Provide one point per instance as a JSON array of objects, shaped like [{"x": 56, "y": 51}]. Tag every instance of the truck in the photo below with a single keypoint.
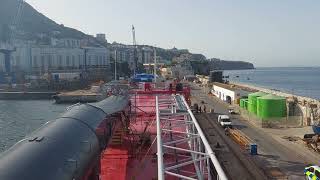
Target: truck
[{"x": 224, "y": 121}]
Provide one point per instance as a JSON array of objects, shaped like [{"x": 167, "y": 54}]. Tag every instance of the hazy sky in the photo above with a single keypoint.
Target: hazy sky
[{"x": 264, "y": 32}]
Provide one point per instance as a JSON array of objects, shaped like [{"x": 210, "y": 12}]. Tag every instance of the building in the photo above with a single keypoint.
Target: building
[
  {"x": 97, "y": 57},
  {"x": 166, "y": 72},
  {"x": 182, "y": 58},
  {"x": 60, "y": 55},
  {"x": 182, "y": 69},
  {"x": 228, "y": 93},
  {"x": 65, "y": 43},
  {"x": 48, "y": 59},
  {"x": 101, "y": 38},
  {"x": 147, "y": 55},
  {"x": 203, "y": 79},
  {"x": 125, "y": 53}
]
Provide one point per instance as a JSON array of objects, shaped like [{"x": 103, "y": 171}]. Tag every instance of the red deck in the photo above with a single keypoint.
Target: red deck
[{"x": 134, "y": 156}]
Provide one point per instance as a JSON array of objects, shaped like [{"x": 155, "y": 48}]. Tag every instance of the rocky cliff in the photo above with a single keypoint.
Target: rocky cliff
[{"x": 204, "y": 67}]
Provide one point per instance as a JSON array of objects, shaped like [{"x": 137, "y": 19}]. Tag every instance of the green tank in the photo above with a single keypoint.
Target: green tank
[
  {"x": 242, "y": 103},
  {"x": 271, "y": 106},
  {"x": 245, "y": 104},
  {"x": 252, "y": 101}
]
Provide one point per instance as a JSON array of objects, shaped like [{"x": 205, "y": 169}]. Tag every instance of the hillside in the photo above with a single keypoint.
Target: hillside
[
  {"x": 204, "y": 67},
  {"x": 32, "y": 23},
  {"x": 36, "y": 26}
]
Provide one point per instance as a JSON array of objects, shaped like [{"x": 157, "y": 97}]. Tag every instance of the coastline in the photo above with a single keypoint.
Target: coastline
[
  {"x": 297, "y": 81},
  {"x": 275, "y": 92}
]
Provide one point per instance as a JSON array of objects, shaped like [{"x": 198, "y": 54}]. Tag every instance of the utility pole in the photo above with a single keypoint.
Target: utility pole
[
  {"x": 115, "y": 64},
  {"x": 134, "y": 50},
  {"x": 155, "y": 65}
]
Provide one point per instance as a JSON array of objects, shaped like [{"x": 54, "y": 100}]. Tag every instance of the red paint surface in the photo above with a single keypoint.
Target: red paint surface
[
  {"x": 131, "y": 161},
  {"x": 114, "y": 163}
]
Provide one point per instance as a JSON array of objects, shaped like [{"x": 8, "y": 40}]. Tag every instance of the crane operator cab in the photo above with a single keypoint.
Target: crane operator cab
[{"x": 312, "y": 172}]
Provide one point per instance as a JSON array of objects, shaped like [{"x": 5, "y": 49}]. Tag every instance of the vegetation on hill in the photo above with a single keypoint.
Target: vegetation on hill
[{"x": 32, "y": 23}]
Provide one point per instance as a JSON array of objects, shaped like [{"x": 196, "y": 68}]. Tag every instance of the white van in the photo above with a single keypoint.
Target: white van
[{"x": 224, "y": 121}]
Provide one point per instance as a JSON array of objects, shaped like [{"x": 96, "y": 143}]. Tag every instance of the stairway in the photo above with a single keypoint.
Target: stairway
[{"x": 117, "y": 137}]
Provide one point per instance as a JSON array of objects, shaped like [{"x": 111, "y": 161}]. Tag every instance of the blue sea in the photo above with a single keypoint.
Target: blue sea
[{"x": 303, "y": 81}]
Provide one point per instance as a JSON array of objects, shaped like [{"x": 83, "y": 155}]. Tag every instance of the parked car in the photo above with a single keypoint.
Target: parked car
[
  {"x": 224, "y": 121},
  {"x": 232, "y": 111}
]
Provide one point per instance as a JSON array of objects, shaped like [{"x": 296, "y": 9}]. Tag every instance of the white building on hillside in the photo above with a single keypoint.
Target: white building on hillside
[
  {"x": 97, "y": 57},
  {"x": 64, "y": 54}
]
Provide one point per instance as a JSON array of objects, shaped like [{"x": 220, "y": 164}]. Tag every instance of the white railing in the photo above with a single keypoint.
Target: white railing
[{"x": 178, "y": 131}]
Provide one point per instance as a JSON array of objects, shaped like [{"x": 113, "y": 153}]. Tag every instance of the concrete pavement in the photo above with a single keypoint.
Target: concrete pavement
[{"x": 274, "y": 157}]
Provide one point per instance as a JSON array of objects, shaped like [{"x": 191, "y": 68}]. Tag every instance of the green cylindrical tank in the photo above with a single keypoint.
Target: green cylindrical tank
[
  {"x": 242, "y": 103},
  {"x": 271, "y": 106},
  {"x": 252, "y": 101},
  {"x": 245, "y": 104}
]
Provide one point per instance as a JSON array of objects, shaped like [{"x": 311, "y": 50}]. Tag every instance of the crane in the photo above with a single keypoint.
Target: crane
[
  {"x": 7, "y": 49},
  {"x": 135, "y": 58},
  {"x": 16, "y": 21}
]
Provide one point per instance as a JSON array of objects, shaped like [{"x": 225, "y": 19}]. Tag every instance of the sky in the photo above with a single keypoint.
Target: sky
[{"x": 268, "y": 33}]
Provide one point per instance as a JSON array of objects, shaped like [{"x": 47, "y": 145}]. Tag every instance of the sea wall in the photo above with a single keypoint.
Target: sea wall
[
  {"x": 310, "y": 108},
  {"x": 26, "y": 95}
]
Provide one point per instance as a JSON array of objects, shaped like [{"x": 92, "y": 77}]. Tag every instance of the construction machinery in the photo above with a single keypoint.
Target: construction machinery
[
  {"x": 7, "y": 48},
  {"x": 135, "y": 57}
]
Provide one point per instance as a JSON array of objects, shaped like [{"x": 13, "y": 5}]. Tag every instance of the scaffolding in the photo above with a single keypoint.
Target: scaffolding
[{"x": 182, "y": 148}]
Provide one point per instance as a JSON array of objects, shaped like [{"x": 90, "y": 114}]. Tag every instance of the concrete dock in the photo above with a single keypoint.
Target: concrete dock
[
  {"x": 26, "y": 95},
  {"x": 277, "y": 158},
  {"x": 83, "y": 96}
]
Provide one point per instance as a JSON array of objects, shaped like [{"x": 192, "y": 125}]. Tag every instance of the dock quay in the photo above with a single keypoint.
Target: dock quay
[
  {"x": 277, "y": 157},
  {"x": 20, "y": 95},
  {"x": 83, "y": 96}
]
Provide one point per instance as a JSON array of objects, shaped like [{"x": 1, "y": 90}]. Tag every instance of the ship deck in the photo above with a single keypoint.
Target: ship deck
[
  {"x": 133, "y": 151},
  {"x": 134, "y": 157}
]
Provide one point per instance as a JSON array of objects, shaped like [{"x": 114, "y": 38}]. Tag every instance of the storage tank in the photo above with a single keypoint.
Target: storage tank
[
  {"x": 271, "y": 106},
  {"x": 245, "y": 104},
  {"x": 242, "y": 103},
  {"x": 252, "y": 101}
]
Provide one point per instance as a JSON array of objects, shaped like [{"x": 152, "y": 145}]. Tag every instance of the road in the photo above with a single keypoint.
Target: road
[
  {"x": 232, "y": 158},
  {"x": 273, "y": 158}
]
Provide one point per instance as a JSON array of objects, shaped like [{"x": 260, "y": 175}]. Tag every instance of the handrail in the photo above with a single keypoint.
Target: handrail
[
  {"x": 214, "y": 160},
  {"x": 159, "y": 143}
]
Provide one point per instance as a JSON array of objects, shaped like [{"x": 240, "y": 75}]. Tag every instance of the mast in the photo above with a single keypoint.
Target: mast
[
  {"x": 155, "y": 65},
  {"x": 134, "y": 50},
  {"x": 115, "y": 64}
]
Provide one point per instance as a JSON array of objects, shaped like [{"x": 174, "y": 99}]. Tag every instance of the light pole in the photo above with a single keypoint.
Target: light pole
[
  {"x": 155, "y": 65},
  {"x": 115, "y": 64}
]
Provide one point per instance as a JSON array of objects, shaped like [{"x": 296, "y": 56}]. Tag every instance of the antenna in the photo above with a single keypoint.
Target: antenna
[{"x": 134, "y": 50}]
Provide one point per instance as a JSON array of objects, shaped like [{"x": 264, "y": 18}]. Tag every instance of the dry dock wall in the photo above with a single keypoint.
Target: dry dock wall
[{"x": 308, "y": 107}]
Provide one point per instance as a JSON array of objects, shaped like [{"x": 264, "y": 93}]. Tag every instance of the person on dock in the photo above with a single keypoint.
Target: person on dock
[{"x": 204, "y": 108}]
